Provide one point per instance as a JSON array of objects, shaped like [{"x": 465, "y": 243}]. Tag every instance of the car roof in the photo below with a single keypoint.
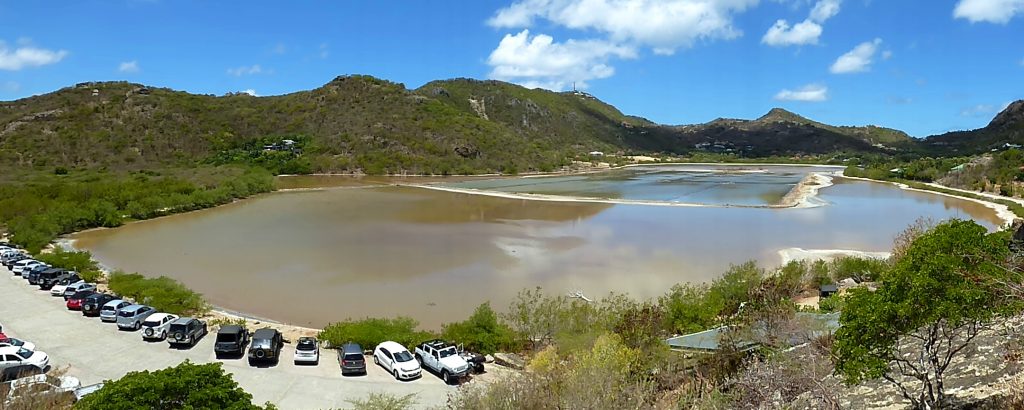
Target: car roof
[
  {"x": 229, "y": 329},
  {"x": 182, "y": 320},
  {"x": 132, "y": 307},
  {"x": 9, "y": 349},
  {"x": 115, "y": 302},
  {"x": 392, "y": 346},
  {"x": 264, "y": 333},
  {"x": 158, "y": 316}
]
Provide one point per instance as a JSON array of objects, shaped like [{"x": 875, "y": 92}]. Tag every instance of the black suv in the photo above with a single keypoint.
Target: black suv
[
  {"x": 266, "y": 346},
  {"x": 91, "y": 305},
  {"x": 186, "y": 331},
  {"x": 231, "y": 340},
  {"x": 50, "y": 276}
]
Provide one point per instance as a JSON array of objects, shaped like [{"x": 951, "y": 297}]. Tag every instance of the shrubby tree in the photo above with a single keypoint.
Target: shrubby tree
[
  {"x": 928, "y": 309},
  {"x": 185, "y": 386},
  {"x": 482, "y": 332}
]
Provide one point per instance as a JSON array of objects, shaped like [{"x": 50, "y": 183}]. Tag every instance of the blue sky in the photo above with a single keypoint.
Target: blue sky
[{"x": 923, "y": 66}]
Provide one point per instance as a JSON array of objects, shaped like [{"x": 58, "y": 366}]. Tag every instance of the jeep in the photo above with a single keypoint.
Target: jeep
[
  {"x": 231, "y": 340},
  {"x": 186, "y": 331},
  {"x": 266, "y": 346}
]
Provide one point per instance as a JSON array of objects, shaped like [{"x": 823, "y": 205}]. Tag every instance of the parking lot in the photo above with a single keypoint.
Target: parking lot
[{"x": 95, "y": 351}]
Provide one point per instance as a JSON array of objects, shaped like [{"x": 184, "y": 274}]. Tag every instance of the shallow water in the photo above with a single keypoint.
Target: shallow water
[
  {"x": 312, "y": 257},
  {"x": 746, "y": 185}
]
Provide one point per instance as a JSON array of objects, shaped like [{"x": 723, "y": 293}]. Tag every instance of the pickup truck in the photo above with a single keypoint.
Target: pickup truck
[{"x": 442, "y": 358}]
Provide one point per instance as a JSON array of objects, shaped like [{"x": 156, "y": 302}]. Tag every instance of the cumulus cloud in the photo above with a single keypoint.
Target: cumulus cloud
[
  {"x": 807, "y": 93},
  {"x": 129, "y": 67},
  {"x": 992, "y": 11},
  {"x": 662, "y": 25},
  {"x": 806, "y": 32},
  {"x": 245, "y": 70},
  {"x": 26, "y": 55},
  {"x": 251, "y": 92},
  {"x": 857, "y": 60},
  {"x": 539, "y": 61}
]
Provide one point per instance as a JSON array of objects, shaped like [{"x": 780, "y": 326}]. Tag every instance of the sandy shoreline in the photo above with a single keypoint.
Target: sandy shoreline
[{"x": 800, "y": 254}]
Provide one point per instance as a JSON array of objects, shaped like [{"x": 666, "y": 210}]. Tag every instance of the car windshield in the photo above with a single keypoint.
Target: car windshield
[
  {"x": 126, "y": 313},
  {"x": 150, "y": 323},
  {"x": 107, "y": 308},
  {"x": 14, "y": 342},
  {"x": 354, "y": 356},
  {"x": 178, "y": 328},
  {"x": 403, "y": 356},
  {"x": 306, "y": 345},
  {"x": 227, "y": 337},
  {"x": 25, "y": 353},
  {"x": 447, "y": 352}
]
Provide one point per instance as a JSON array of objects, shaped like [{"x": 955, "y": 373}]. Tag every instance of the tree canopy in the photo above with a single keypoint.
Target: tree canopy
[
  {"x": 185, "y": 386},
  {"x": 927, "y": 310}
]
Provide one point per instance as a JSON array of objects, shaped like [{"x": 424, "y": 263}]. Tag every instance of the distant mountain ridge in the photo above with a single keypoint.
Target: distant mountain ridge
[
  {"x": 361, "y": 123},
  {"x": 1006, "y": 128}
]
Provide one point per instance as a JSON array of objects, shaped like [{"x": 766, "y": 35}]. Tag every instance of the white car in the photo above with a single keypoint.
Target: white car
[
  {"x": 307, "y": 350},
  {"x": 155, "y": 326},
  {"x": 10, "y": 341},
  {"x": 17, "y": 356},
  {"x": 20, "y": 266},
  {"x": 397, "y": 360},
  {"x": 62, "y": 286}
]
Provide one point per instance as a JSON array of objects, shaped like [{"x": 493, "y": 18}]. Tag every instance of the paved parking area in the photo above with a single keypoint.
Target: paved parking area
[{"x": 95, "y": 351}]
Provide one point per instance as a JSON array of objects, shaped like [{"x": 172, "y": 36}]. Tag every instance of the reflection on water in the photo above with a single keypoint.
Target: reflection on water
[{"x": 384, "y": 251}]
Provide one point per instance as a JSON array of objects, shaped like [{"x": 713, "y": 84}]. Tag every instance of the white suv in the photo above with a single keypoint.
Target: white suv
[
  {"x": 17, "y": 356},
  {"x": 155, "y": 326}
]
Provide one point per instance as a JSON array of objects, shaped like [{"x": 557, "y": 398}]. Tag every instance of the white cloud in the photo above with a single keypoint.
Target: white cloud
[
  {"x": 887, "y": 54},
  {"x": 857, "y": 60},
  {"x": 807, "y": 93},
  {"x": 27, "y": 55},
  {"x": 662, "y": 25},
  {"x": 245, "y": 70},
  {"x": 824, "y": 10},
  {"x": 539, "y": 61},
  {"x": 806, "y": 32},
  {"x": 992, "y": 11},
  {"x": 251, "y": 92},
  {"x": 781, "y": 34},
  {"x": 129, "y": 67}
]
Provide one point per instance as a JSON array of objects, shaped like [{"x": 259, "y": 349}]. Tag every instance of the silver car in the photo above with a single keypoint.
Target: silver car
[
  {"x": 131, "y": 317},
  {"x": 108, "y": 313}
]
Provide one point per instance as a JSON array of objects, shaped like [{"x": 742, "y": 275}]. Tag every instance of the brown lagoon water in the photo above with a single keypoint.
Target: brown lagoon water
[{"x": 360, "y": 249}]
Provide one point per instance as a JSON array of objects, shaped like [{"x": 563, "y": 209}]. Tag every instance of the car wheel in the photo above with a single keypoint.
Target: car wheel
[
  {"x": 138, "y": 325},
  {"x": 163, "y": 335},
  {"x": 446, "y": 377},
  {"x": 396, "y": 375},
  {"x": 376, "y": 361}
]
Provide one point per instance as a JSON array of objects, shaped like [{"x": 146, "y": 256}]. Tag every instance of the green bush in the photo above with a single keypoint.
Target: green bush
[
  {"x": 163, "y": 293},
  {"x": 78, "y": 261},
  {"x": 482, "y": 332},
  {"x": 185, "y": 386},
  {"x": 384, "y": 401},
  {"x": 370, "y": 332}
]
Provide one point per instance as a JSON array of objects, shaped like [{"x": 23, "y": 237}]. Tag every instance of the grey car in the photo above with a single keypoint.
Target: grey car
[
  {"x": 131, "y": 317},
  {"x": 186, "y": 331},
  {"x": 351, "y": 359}
]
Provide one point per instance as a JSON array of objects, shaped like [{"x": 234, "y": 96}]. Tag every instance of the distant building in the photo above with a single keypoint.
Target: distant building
[{"x": 708, "y": 341}]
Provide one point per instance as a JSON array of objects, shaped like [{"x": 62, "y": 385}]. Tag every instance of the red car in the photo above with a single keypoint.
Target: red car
[{"x": 75, "y": 301}]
